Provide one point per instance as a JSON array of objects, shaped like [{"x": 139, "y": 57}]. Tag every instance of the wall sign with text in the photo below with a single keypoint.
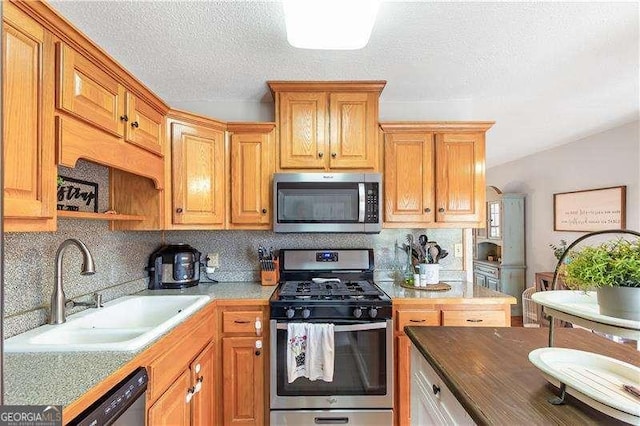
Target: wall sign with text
[
  {"x": 77, "y": 195},
  {"x": 590, "y": 210}
]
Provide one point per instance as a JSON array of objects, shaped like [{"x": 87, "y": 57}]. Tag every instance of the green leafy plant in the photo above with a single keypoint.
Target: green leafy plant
[
  {"x": 613, "y": 264},
  {"x": 558, "y": 250}
]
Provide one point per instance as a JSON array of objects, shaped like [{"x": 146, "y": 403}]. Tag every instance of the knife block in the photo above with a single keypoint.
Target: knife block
[{"x": 270, "y": 277}]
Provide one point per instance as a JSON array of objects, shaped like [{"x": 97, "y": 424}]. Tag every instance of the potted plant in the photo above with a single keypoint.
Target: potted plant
[{"x": 613, "y": 270}]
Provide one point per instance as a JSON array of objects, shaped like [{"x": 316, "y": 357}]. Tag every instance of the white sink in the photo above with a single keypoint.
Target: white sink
[{"x": 125, "y": 324}]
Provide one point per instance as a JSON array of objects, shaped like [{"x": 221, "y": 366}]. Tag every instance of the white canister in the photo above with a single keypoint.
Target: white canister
[{"x": 429, "y": 273}]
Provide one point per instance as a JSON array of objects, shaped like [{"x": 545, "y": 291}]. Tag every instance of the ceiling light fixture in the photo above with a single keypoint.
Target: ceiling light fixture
[{"x": 329, "y": 24}]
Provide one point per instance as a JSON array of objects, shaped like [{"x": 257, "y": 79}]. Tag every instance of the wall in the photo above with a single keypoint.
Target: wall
[
  {"x": 121, "y": 257},
  {"x": 605, "y": 159}
]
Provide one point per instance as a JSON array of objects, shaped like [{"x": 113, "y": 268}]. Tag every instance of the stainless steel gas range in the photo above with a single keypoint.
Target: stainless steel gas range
[{"x": 336, "y": 287}]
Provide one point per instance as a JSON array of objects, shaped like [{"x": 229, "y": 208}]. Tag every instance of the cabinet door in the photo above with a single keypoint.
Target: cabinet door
[
  {"x": 198, "y": 175},
  {"x": 353, "y": 126},
  {"x": 303, "y": 130},
  {"x": 460, "y": 177},
  {"x": 143, "y": 125},
  {"x": 408, "y": 173},
  {"x": 172, "y": 408},
  {"x": 202, "y": 378},
  {"x": 251, "y": 169},
  {"x": 243, "y": 381},
  {"x": 27, "y": 131},
  {"x": 87, "y": 92},
  {"x": 403, "y": 380},
  {"x": 479, "y": 279},
  {"x": 493, "y": 284}
]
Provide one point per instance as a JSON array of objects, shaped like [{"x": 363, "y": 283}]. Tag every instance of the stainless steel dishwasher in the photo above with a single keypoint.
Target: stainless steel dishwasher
[{"x": 123, "y": 405}]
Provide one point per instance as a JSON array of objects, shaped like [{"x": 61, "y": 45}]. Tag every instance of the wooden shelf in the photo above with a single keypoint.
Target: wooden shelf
[{"x": 98, "y": 216}]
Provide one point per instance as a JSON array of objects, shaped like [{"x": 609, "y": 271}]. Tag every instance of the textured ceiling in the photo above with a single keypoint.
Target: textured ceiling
[{"x": 547, "y": 73}]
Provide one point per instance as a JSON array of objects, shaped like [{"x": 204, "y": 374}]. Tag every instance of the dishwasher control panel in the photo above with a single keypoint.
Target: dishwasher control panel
[{"x": 113, "y": 404}]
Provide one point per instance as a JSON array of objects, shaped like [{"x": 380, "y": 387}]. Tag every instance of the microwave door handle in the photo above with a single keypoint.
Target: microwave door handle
[
  {"x": 342, "y": 328},
  {"x": 361, "y": 202}
]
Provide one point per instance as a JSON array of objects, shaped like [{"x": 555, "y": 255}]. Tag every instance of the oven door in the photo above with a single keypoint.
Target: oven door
[{"x": 363, "y": 369}]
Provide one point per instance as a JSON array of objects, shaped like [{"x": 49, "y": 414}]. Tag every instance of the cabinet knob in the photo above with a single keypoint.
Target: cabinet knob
[
  {"x": 320, "y": 154},
  {"x": 334, "y": 155},
  {"x": 135, "y": 125},
  {"x": 427, "y": 210},
  {"x": 124, "y": 118},
  {"x": 436, "y": 389},
  {"x": 264, "y": 211},
  {"x": 179, "y": 210},
  {"x": 441, "y": 209}
]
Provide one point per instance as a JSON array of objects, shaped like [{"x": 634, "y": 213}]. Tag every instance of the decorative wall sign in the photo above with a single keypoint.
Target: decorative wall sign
[
  {"x": 77, "y": 195},
  {"x": 590, "y": 210}
]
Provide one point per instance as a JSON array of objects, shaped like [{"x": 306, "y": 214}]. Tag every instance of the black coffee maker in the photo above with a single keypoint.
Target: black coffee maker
[{"x": 174, "y": 266}]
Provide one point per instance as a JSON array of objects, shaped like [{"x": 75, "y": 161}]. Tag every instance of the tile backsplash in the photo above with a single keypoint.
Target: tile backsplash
[{"x": 120, "y": 257}]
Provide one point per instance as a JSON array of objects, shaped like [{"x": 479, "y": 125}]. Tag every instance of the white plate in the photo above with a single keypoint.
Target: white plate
[
  {"x": 594, "y": 379},
  {"x": 581, "y": 304}
]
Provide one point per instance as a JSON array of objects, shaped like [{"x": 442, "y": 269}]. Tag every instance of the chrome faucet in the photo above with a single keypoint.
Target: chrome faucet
[{"x": 58, "y": 298}]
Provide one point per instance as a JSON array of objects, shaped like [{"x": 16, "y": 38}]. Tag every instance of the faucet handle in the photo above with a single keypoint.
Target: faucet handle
[{"x": 97, "y": 299}]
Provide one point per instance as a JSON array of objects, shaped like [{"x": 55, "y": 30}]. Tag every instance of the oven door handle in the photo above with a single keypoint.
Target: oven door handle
[
  {"x": 361, "y": 202},
  {"x": 342, "y": 328}
]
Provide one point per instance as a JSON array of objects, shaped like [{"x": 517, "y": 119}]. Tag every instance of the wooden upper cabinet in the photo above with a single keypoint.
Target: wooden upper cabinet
[
  {"x": 354, "y": 126},
  {"x": 434, "y": 173},
  {"x": 27, "y": 113},
  {"x": 408, "y": 177},
  {"x": 252, "y": 164},
  {"x": 303, "y": 130},
  {"x": 89, "y": 93},
  {"x": 143, "y": 125},
  {"x": 198, "y": 173},
  {"x": 327, "y": 125},
  {"x": 460, "y": 161}
]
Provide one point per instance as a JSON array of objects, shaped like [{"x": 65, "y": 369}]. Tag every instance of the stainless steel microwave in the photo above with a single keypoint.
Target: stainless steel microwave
[{"x": 327, "y": 202}]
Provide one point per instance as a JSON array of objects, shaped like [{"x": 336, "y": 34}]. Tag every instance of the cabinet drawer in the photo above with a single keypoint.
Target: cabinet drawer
[
  {"x": 241, "y": 321},
  {"x": 420, "y": 317},
  {"x": 487, "y": 270},
  {"x": 474, "y": 318}
]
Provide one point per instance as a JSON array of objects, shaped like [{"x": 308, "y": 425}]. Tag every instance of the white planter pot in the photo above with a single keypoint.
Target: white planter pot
[{"x": 620, "y": 302}]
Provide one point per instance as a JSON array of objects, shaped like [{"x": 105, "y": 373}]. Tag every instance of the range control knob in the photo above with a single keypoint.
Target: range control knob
[
  {"x": 290, "y": 313},
  {"x": 306, "y": 313},
  {"x": 357, "y": 312},
  {"x": 373, "y": 312}
]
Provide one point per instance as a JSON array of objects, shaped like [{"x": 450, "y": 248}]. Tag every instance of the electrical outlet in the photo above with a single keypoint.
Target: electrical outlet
[
  {"x": 213, "y": 260},
  {"x": 457, "y": 250}
]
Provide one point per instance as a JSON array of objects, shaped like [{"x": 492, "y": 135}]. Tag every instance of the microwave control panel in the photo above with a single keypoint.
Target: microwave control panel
[{"x": 372, "y": 202}]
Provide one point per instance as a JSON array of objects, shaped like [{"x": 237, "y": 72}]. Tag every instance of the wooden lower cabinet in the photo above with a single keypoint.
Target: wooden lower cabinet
[
  {"x": 243, "y": 381},
  {"x": 421, "y": 315},
  {"x": 172, "y": 408},
  {"x": 202, "y": 379}
]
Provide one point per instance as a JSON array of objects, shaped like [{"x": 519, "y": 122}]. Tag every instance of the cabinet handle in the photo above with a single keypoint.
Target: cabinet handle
[
  {"x": 334, "y": 155},
  {"x": 413, "y": 320},
  {"x": 474, "y": 320},
  {"x": 189, "y": 396},
  {"x": 441, "y": 209},
  {"x": 179, "y": 210},
  {"x": 135, "y": 124},
  {"x": 427, "y": 210},
  {"x": 124, "y": 118},
  {"x": 320, "y": 154},
  {"x": 436, "y": 389},
  {"x": 264, "y": 211},
  {"x": 241, "y": 322}
]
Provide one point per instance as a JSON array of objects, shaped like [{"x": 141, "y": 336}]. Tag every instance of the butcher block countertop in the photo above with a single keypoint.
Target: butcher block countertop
[{"x": 489, "y": 372}]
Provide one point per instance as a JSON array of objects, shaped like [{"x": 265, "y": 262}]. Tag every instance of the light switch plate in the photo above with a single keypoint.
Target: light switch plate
[
  {"x": 213, "y": 260},
  {"x": 457, "y": 250}
]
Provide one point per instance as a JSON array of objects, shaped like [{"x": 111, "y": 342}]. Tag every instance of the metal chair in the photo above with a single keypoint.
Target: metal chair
[{"x": 529, "y": 309}]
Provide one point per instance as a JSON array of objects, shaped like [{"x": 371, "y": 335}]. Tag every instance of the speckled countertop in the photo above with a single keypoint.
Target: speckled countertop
[
  {"x": 461, "y": 291},
  {"x": 59, "y": 378}
]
